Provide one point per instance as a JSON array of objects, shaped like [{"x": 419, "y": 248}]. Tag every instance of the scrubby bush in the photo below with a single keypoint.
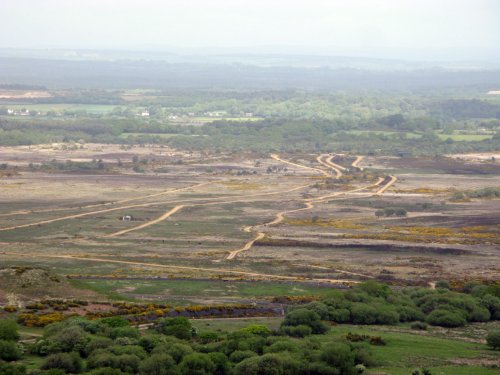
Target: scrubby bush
[
  {"x": 340, "y": 356},
  {"x": 12, "y": 369},
  {"x": 446, "y": 318},
  {"x": 419, "y": 325},
  {"x": 443, "y": 284},
  {"x": 493, "y": 339},
  {"x": 179, "y": 327},
  {"x": 9, "y": 351},
  {"x": 297, "y": 331},
  {"x": 240, "y": 355},
  {"x": 268, "y": 364},
  {"x": 177, "y": 351},
  {"x": 68, "y": 362},
  {"x": 305, "y": 317},
  {"x": 257, "y": 329},
  {"x": 8, "y": 330},
  {"x": 197, "y": 364},
  {"x": 159, "y": 364}
]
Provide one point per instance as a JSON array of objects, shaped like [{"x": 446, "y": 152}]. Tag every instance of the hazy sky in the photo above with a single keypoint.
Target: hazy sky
[{"x": 392, "y": 28}]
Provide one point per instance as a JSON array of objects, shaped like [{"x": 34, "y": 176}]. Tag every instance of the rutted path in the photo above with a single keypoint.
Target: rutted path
[
  {"x": 391, "y": 182},
  {"x": 280, "y": 216},
  {"x": 356, "y": 162},
  {"x": 324, "y": 173},
  {"x": 338, "y": 172},
  {"x": 330, "y": 162},
  {"x": 147, "y": 224}
]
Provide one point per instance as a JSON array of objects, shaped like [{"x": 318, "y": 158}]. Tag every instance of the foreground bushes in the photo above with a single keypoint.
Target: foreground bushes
[{"x": 374, "y": 303}]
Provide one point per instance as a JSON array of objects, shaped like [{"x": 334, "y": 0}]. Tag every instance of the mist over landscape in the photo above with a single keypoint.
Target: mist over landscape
[{"x": 249, "y": 187}]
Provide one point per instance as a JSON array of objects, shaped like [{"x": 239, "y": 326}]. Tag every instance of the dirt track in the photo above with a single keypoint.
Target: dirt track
[
  {"x": 356, "y": 162},
  {"x": 152, "y": 222},
  {"x": 338, "y": 172},
  {"x": 324, "y": 173},
  {"x": 280, "y": 216},
  {"x": 387, "y": 185},
  {"x": 330, "y": 162}
]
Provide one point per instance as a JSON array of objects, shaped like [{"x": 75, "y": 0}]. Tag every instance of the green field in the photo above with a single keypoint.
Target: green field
[{"x": 172, "y": 291}]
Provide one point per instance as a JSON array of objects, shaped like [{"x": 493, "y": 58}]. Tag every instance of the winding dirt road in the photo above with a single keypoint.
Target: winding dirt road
[
  {"x": 338, "y": 172},
  {"x": 324, "y": 173},
  {"x": 330, "y": 162},
  {"x": 384, "y": 188},
  {"x": 280, "y": 216},
  {"x": 356, "y": 162}
]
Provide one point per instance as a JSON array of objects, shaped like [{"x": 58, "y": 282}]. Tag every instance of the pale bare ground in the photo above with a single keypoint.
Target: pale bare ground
[
  {"x": 478, "y": 156},
  {"x": 356, "y": 162},
  {"x": 338, "y": 172},
  {"x": 18, "y": 94},
  {"x": 165, "y": 216},
  {"x": 203, "y": 269},
  {"x": 54, "y": 209},
  {"x": 23, "y": 155},
  {"x": 216, "y": 201}
]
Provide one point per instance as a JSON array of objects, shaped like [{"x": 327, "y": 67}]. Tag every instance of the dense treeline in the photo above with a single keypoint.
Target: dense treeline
[
  {"x": 112, "y": 346},
  {"x": 373, "y": 303},
  {"x": 160, "y": 75}
]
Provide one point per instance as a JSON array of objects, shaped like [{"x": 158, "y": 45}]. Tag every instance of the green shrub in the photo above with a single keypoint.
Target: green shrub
[
  {"x": 297, "y": 331},
  {"x": 340, "y": 356},
  {"x": 493, "y": 339},
  {"x": 269, "y": 364},
  {"x": 177, "y": 351},
  {"x": 197, "y": 364},
  {"x": 479, "y": 314},
  {"x": 8, "y": 330},
  {"x": 179, "y": 327},
  {"x": 419, "y": 325},
  {"x": 159, "y": 364},
  {"x": 306, "y": 317},
  {"x": 443, "y": 284},
  {"x": 9, "y": 351},
  {"x": 257, "y": 329},
  {"x": 68, "y": 362},
  {"x": 240, "y": 355},
  {"x": 12, "y": 369},
  {"x": 446, "y": 318}
]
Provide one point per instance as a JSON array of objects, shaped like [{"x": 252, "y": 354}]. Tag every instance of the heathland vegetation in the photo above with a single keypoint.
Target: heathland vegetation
[{"x": 306, "y": 342}]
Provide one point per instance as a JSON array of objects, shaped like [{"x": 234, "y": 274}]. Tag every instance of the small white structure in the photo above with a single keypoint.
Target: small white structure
[
  {"x": 127, "y": 218},
  {"x": 145, "y": 113}
]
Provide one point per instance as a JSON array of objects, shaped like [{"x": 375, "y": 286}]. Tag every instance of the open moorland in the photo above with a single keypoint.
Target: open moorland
[{"x": 152, "y": 223}]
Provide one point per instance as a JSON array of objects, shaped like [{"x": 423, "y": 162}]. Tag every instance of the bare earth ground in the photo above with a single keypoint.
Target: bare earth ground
[{"x": 301, "y": 218}]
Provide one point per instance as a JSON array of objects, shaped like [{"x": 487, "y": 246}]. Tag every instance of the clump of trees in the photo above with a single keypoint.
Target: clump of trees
[
  {"x": 391, "y": 211},
  {"x": 375, "y": 303},
  {"x": 110, "y": 346}
]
